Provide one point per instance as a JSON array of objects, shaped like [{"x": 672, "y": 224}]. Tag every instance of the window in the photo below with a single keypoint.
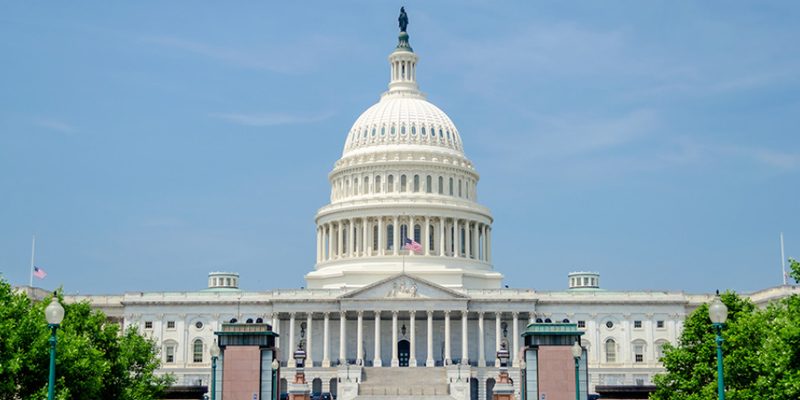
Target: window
[
  {"x": 423, "y": 131},
  {"x": 611, "y": 351},
  {"x": 609, "y": 324},
  {"x": 417, "y": 234},
  {"x": 416, "y": 183},
  {"x": 637, "y": 324},
  {"x": 660, "y": 324},
  {"x": 148, "y": 324},
  {"x": 430, "y": 237},
  {"x": 169, "y": 354},
  {"x": 660, "y": 350},
  {"x": 389, "y": 236},
  {"x": 441, "y": 185},
  {"x": 375, "y": 238},
  {"x": 402, "y": 183},
  {"x": 378, "y": 184},
  {"x": 403, "y": 232},
  {"x": 451, "y": 186},
  {"x": 198, "y": 325},
  {"x": 170, "y": 324},
  {"x": 365, "y": 186},
  {"x": 428, "y": 183},
  {"x": 638, "y": 352},
  {"x": 581, "y": 324},
  {"x": 197, "y": 351},
  {"x": 413, "y": 130},
  {"x": 390, "y": 183}
]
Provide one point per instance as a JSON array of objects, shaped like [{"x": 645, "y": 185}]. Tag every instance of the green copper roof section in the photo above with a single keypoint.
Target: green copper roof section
[
  {"x": 552, "y": 329},
  {"x": 402, "y": 42}
]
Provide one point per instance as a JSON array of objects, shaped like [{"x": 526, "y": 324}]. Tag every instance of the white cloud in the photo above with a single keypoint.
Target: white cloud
[{"x": 271, "y": 119}]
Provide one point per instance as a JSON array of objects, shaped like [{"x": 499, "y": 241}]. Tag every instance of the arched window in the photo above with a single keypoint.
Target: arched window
[
  {"x": 402, "y": 183},
  {"x": 441, "y": 185},
  {"x": 459, "y": 188},
  {"x": 428, "y": 182},
  {"x": 197, "y": 351},
  {"x": 638, "y": 351},
  {"x": 416, "y": 183},
  {"x": 451, "y": 186},
  {"x": 355, "y": 186},
  {"x": 403, "y": 232},
  {"x": 660, "y": 349},
  {"x": 365, "y": 186},
  {"x": 611, "y": 351},
  {"x": 467, "y": 190},
  {"x": 375, "y": 238},
  {"x": 169, "y": 351},
  {"x": 377, "y": 184},
  {"x": 423, "y": 131},
  {"x": 389, "y": 237},
  {"x": 430, "y": 237},
  {"x": 417, "y": 234},
  {"x": 390, "y": 183}
]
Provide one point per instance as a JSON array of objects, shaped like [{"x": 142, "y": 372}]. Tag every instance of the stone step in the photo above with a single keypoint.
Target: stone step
[
  {"x": 404, "y": 382},
  {"x": 401, "y": 397}
]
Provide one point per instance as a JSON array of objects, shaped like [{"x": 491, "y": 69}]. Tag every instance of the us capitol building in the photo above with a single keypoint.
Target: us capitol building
[{"x": 372, "y": 305}]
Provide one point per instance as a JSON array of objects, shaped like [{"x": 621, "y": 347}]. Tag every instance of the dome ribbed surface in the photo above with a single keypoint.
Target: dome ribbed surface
[{"x": 403, "y": 120}]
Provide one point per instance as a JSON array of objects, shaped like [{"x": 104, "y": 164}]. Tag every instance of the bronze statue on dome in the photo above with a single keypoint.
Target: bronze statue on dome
[{"x": 403, "y": 19}]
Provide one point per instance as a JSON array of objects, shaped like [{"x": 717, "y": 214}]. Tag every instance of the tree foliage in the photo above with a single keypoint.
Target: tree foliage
[
  {"x": 794, "y": 270},
  {"x": 761, "y": 354},
  {"x": 94, "y": 359}
]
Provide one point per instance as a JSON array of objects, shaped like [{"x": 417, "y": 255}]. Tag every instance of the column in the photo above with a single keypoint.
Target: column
[
  {"x": 427, "y": 239},
  {"x": 488, "y": 244},
  {"x": 429, "y": 361},
  {"x": 409, "y": 233},
  {"x": 515, "y": 333},
  {"x": 498, "y": 336},
  {"x": 464, "y": 350},
  {"x": 481, "y": 342},
  {"x": 412, "y": 362},
  {"x": 441, "y": 236},
  {"x": 276, "y": 327},
  {"x": 395, "y": 361},
  {"x": 475, "y": 241},
  {"x": 290, "y": 361},
  {"x": 467, "y": 239},
  {"x": 339, "y": 234},
  {"x": 309, "y": 335},
  {"x": 342, "y": 337},
  {"x": 326, "y": 340},
  {"x": 483, "y": 245},
  {"x": 380, "y": 236},
  {"x": 351, "y": 235},
  {"x": 447, "y": 357},
  {"x": 456, "y": 238},
  {"x": 318, "y": 241},
  {"x": 360, "y": 339},
  {"x": 396, "y": 236},
  {"x": 330, "y": 241},
  {"x": 365, "y": 242},
  {"x": 376, "y": 362}
]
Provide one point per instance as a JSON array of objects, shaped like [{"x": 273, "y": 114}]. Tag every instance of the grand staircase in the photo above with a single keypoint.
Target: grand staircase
[{"x": 404, "y": 383}]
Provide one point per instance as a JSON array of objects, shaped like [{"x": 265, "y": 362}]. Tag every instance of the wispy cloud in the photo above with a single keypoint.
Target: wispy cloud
[
  {"x": 55, "y": 125},
  {"x": 271, "y": 119}
]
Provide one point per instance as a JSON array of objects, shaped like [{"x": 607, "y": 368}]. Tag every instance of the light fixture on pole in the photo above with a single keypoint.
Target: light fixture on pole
[
  {"x": 214, "y": 350},
  {"x": 275, "y": 367},
  {"x": 54, "y": 313},
  {"x": 718, "y": 313},
  {"x": 577, "y": 351}
]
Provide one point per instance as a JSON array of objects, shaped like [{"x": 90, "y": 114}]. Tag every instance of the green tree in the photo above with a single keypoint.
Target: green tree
[
  {"x": 761, "y": 354},
  {"x": 94, "y": 359},
  {"x": 794, "y": 270}
]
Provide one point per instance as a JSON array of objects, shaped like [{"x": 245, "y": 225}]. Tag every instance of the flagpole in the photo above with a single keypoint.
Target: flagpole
[
  {"x": 33, "y": 252},
  {"x": 783, "y": 261}
]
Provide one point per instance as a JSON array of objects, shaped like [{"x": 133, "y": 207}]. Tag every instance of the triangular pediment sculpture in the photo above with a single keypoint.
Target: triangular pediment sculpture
[{"x": 403, "y": 287}]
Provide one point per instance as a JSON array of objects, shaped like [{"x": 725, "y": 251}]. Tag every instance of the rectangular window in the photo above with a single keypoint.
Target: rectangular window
[
  {"x": 639, "y": 358},
  {"x": 170, "y": 324},
  {"x": 637, "y": 324},
  {"x": 148, "y": 324},
  {"x": 581, "y": 324},
  {"x": 170, "y": 354},
  {"x": 660, "y": 324},
  {"x": 638, "y": 351}
]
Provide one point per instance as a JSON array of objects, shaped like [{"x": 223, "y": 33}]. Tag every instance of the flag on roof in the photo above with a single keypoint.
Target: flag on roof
[
  {"x": 412, "y": 245},
  {"x": 39, "y": 272}
]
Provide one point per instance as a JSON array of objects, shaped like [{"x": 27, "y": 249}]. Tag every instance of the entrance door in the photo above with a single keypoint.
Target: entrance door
[{"x": 403, "y": 352}]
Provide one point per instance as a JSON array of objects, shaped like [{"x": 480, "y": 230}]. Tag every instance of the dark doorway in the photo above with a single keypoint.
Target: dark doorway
[{"x": 403, "y": 352}]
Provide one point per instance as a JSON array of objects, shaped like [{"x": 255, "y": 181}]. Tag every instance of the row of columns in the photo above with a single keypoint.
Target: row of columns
[
  {"x": 439, "y": 236},
  {"x": 378, "y": 361}
]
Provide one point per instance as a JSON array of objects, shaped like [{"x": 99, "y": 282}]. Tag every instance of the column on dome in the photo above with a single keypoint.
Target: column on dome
[
  {"x": 342, "y": 337},
  {"x": 467, "y": 239},
  {"x": 326, "y": 340},
  {"x": 441, "y": 237},
  {"x": 456, "y": 238},
  {"x": 351, "y": 236},
  {"x": 475, "y": 240},
  {"x": 483, "y": 242},
  {"x": 464, "y": 336},
  {"x": 364, "y": 236},
  {"x": 318, "y": 259},
  {"x": 339, "y": 234},
  {"x": 481, "y": 342},
  {"x": 395, "y": 361},
  {"x": 380, "y": 236},
  {"x": 447, "y": 356},
  {"x": 427, "y": 239},
  {"x": 429, "y": 361},
  {"x": 330, "y": 241},
  {"x": 360, "y": 339},
  {"x": 290, "y": 361},
  {"x": 396, "y": 236},
  {"x": 376, "y": 362},
  {"x": 412, "y": 315},
  {"x": 309, "y": 335},
  {"x": 489, "y": 244}
]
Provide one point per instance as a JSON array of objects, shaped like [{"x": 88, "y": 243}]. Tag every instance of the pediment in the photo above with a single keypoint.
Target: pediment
[{"x": 403, "y": 287}]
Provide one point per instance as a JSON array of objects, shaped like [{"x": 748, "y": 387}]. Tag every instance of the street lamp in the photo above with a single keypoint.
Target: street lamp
[
  {"x": 275, "y": 366},
  {"x": 577, "y": 351},
  {"x": 54, "y": 313},
  {"x": 718, "y": 313},
  {"x": 214, "y": 350}
]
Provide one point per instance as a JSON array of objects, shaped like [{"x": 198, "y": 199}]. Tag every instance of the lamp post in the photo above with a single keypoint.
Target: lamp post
[
  {"x": 523, "y": 387},
  {"x": 54, "y": 313},
  {"x": 275, "y": 366},
  {"x": 577, "y": 350},
  {"x": 214, "y": 350},
  {"x": 718, "y": 313}
]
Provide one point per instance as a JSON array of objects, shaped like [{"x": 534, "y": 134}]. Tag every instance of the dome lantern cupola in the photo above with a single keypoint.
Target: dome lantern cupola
[{"x": 403, "y": 63}]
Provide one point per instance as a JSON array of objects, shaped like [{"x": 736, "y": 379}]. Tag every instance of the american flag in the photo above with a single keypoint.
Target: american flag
[
  {"x": 39, "y": 272},
  {"x": 412, "y": 245}
]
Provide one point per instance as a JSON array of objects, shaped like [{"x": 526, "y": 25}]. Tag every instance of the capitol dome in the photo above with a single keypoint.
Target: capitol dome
[{"x": 403, "y": 196}]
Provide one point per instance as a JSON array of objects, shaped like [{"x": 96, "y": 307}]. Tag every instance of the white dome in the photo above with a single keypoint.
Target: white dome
[{"x": 399, "y": 119}]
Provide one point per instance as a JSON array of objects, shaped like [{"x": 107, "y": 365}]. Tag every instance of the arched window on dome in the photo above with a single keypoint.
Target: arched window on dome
[
  {"x": 430, "y": 237},
  {"x": 448, "y": 135},
  {"x": 403, "y": 129},
  {"x": 389, "y": 237},
  {"x": 403, "y": 233},
  {"x": 423, "y": 131},
  {"x": 463, "y": 236},
  {"x": 394, "y": 131},
  {"x": 611, "y": 351},
  {"x": 466, "y": 192},
  {"x": 365, "y": 186},
  {"x": 346, "y": 187},
  {"x": 373, "y": 131},
  {"x": 355, "y": 186},
  {"x": 344, "y": 240},
  {"x": 390, "y": 183},
  {"x": 375, "y": 238},
  {"x": 413, "y": 130},
  {"x": 441, "y": 185},
  {"x": 377, "y": 188},
  {"x": 417, "y": 234},
  {"x": 416, "y": 183},
  {"x": 451, "y": 186},
  {"x": 402, "y": 183},
  {"x": 383, "y": 131},
  {"x": 428, "y": 183},
  {"x": 441, "y": 136},
  {"x": 459, "y": 188}
]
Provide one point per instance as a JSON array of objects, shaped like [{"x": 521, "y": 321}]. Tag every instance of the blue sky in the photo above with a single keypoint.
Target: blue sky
[{"x": 148, "y": 143}]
